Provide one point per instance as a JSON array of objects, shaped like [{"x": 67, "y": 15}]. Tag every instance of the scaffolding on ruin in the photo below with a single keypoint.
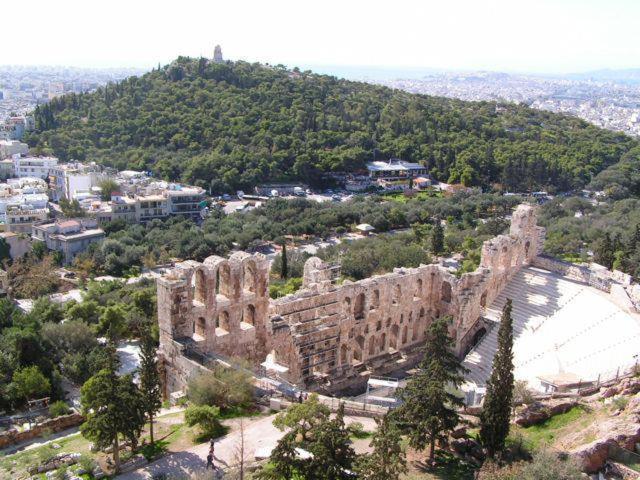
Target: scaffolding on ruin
[{"x": 382, "y": 391}]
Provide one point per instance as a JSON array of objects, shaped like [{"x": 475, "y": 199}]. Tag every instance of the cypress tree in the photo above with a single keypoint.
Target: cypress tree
[
  {"x": 437, "y": 238},
  {"x": 428, "y": 411},
  {"x": 149, "y": 378},
  {"x": 284, "y": 273},
  {"x": 496, "y": 412}
]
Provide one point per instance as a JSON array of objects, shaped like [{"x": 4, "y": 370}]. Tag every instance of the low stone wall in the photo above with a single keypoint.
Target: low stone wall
[
  {"x": 566, "y": 269},
  {"x": 13, "y": 437}
]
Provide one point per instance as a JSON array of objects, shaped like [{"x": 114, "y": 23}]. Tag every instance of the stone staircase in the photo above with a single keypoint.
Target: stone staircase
[{"x": 536, "y": 295}]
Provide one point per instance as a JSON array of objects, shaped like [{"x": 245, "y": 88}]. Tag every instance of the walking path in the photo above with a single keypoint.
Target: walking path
[{"x": 259, "y": 434}]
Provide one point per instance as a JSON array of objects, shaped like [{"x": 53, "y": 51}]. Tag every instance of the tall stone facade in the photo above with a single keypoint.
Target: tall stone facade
[{"x": 328, "y": 337}]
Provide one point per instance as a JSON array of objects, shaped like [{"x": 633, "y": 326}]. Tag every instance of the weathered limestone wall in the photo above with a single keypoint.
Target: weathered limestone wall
[
  {"x": 329, "y": 337},
  {"x": 51, "y": 425}
]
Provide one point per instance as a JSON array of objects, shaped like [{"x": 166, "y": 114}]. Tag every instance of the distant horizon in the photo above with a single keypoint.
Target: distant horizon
[
  {"x": 406, "y": 72},
  {"x": 537, "y": 37}
]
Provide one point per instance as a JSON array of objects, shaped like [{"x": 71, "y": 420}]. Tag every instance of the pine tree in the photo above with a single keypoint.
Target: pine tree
[
  {"x": 284, "y": 273},
  {"x": 437, "y": 237},
  {"x": 333, "y": 455},
  {"x": 149, "y": 378},
  {"x": 604, "y": 251},
  {"x": 428, "y": 410},
  {"x": 387, "y": 461},
  {"x": 496, "y": 412},
  {"x": 112, "y": 406}
]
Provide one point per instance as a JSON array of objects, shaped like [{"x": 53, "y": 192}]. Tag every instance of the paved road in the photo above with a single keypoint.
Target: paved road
[{"x": 259, "y": 434}]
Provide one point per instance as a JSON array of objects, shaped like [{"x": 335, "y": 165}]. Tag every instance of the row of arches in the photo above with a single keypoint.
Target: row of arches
[
  {"x": 396, "y": 336},
  {"x": 222, "y": 322},
  {"x": 224, "y": 283},
  {"x": 360, "y": 300}
]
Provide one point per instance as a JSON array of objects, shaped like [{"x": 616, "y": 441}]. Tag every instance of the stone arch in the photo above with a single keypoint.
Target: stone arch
[
  {"x": 249, "y": 315},
  {"x": 224, "y": 283},
  {"x": 445, "y": 294},
  {"x": 200, "y": 327},
  {"x": 375, "y": 300},
  {"x": 527, "y": 245},
  {"x": 346, "y": 305},
  {"x": 249, "y": 276},
  {"x": 344, "y": 350},
  {"x": 418, "y": 293},
  {"x": 404, "y": 334},
  {"x": 383, "y": 342},
  {"x": 397, "y": 293},
  {"x": 223, "y": 322},
  {"x": 393, "y": 338},
  {"x": 415, "y": 333},
  {"x": 358, "y": 307},
  {"x": 483, "y": 299},
  {"x": 372, "y": 345},
  {"x": 200, "y": 286},
  {"x": 358, "y": 348}
]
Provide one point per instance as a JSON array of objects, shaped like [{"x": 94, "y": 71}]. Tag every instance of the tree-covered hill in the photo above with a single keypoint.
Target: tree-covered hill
[{"x": 233, "y": 125}]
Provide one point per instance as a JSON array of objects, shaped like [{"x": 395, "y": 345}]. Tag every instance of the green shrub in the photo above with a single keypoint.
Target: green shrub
[
  {"x": 58, "y": 408},
  {"x": 547, "y": 465},
  {"x": 86, "y": 463},
  {"x": 205, "y": 417},
  {"x": 224, "y": 388},
  {"x": 620, "y": 403}
]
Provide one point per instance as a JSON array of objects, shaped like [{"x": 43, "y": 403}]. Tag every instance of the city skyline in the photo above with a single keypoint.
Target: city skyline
[{"x": 542, "y": 38}]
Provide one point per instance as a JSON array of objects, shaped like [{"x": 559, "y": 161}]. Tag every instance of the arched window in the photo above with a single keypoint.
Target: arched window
[
  {"x": 343, "y": 354},
  {"x": 199, "y": 327},
  {"x": 393, "y": 338},
  {"x": 346, "y": 305},
  {"x": 357, "y": 350},
  {"x": 223, "y": 321},
  {"x": 404, "y": 334},
  {"x": 375, "y": 300},
  {"x": 358, "y": 307},
  {"x": 397, "y": 293},
  {"x": 249, "y": 315},
  {"x": 372, "y": 345},
  {"x": 223, "y": 281},
  {"x": 418, "y": 293},
  {"x": 249, "y": 279},
  {"x": 383, "y": 342},
  {"x": 483, "y": 299},
  {"x": 200, "y": 287},
  {"x": 526, "y": 248},
  {"x": 416, "y": 331},
  {"x": 446, "y": 292}
]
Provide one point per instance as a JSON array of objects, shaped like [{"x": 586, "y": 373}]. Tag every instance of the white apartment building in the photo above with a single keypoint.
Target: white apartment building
[
  {"x": 69, "y": 237},
  {"x": 34, "y": 166},
  {"x": 70, "y": 179},
  {"x": 21, "y": 218}
]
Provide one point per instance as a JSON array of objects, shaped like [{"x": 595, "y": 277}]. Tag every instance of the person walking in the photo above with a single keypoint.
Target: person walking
[{"x": 210, "y": 461}]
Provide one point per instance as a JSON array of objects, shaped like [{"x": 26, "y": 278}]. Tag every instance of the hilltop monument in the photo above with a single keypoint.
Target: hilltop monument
[{"x": 217, "y": 54}]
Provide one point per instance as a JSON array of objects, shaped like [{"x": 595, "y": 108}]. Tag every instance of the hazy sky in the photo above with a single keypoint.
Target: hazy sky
[{"x": 507, "y": 35}]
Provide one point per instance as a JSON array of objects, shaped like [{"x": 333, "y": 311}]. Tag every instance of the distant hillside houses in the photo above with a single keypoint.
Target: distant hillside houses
[
  {"x": 395, "y": 169},
  {"x": 33, "y": 186}
]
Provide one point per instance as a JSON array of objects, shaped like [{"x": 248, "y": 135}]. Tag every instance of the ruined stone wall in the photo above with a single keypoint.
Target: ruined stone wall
[{"x": 330, "y": 337}]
